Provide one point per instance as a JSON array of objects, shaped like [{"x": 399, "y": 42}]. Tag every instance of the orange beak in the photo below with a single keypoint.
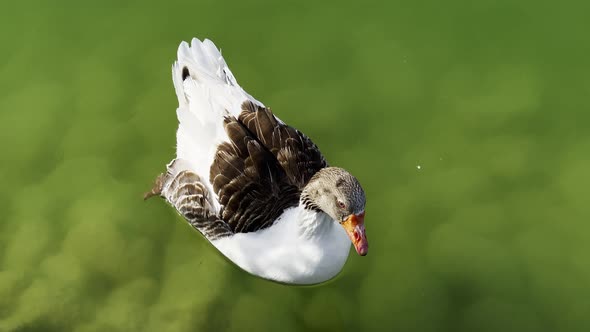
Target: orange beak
[{"x": 355, "y": 228}]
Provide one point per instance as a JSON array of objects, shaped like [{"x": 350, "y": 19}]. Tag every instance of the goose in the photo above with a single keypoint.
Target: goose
[{"x": 259, "y": 190}]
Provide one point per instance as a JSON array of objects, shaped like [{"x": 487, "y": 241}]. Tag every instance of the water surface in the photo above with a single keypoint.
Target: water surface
[{"x": 467, "y": 124}]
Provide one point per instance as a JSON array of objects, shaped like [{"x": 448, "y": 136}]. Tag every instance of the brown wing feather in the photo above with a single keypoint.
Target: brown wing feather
[
  {"x": 187, "y": 193},
  {"x": 252, "y": 187},
  {"x": 297, "y": 155}
]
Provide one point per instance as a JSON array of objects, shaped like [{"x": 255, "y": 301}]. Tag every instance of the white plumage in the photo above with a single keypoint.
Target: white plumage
[
  {"x": 303, "y": 247},
  {"x": 203, "y": 101}
]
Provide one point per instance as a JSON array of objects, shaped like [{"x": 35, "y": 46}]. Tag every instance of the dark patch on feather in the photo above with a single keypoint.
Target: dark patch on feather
[{"x": 185, "y": 73}]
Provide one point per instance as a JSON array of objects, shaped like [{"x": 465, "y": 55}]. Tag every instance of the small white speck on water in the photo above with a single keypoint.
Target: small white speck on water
[{"x": 418, "y": 167}]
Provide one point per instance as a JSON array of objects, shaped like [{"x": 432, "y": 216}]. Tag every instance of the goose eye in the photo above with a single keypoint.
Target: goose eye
[{"x": 341, "y": 205}]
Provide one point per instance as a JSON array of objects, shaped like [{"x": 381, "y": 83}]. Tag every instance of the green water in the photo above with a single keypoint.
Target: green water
[{"x": 466, "y": 122}]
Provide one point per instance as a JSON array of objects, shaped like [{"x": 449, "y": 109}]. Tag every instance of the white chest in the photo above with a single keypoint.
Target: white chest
[{"x": 302, "y": 247}]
